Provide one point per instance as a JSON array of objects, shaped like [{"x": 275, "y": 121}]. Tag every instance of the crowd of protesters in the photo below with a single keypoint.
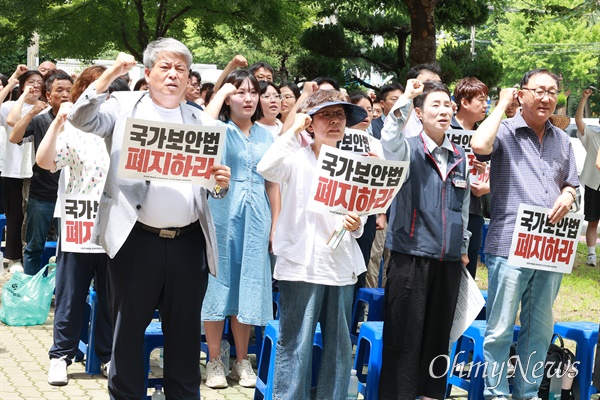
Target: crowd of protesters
[{"x": 197, "y": 254}]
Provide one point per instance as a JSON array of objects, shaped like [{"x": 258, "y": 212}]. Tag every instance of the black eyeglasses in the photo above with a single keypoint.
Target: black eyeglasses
[
  {"x": 341, "y": 115},
  {"x": 539, "y": 93}
]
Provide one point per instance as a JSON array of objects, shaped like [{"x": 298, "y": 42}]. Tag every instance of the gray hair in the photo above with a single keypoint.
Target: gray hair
[{"x": 168, "y": 45}]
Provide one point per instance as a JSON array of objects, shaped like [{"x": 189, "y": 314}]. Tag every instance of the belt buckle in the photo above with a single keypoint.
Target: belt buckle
[{"x": 168, "y": 234}]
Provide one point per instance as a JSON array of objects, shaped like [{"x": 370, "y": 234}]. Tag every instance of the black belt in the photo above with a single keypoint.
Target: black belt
[{"x": 169, "y": 233}]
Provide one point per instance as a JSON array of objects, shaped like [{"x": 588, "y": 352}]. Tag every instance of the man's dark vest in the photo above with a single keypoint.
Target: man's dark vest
[{"x": 425, "y": 217}]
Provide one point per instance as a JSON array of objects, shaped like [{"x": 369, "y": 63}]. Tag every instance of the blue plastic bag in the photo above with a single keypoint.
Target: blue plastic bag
[{"x": 26, "y": 299}]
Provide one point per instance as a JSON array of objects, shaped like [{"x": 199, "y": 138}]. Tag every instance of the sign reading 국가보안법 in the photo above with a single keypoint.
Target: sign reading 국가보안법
[
  {"x": 462, "y": 138},
  {"x": 538, "y": 244},
  {"x": 160, "y": 151},
  {"x": 347, "y": 182},
  {"x": 77, "y": 220}
]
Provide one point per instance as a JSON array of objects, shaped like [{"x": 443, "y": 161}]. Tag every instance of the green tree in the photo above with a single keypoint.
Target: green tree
[
  {"x": 568, "y": 48},
  {"x": 280, "y": 47},
  {"x": 428, "y": 15},
  {"x": 84, "y": 28},
  {"x": 348, "y": 36},
  {"x": 343, "y": 45},
  {"x": 557, "y": 10},
  {"x": 457, "y": 62}
]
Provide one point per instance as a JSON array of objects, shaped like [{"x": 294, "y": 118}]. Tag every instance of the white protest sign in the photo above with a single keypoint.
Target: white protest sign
[
  {"x": 360, "y": 142},
  {"x": 347, "y": 182},
  {"x": 77, "y": 220},
  {"x": 469, "y": 304},
  {"x": 538, "y": 244},
  {"x": 161, "y": 151},
  {"x": 462, "y": 138}
]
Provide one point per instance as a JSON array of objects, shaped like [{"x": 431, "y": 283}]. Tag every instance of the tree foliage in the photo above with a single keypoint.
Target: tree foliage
[
  {"x": 84, "y": 28},
  {"x": 400, "y": 24},
  {"x": 279, "y": 45},
  {"x": 353, "y": 37},
  {"x": 557, "y": 10},
  {"x": 457, "y": 62},
  {"x": 568, "y": 48}
]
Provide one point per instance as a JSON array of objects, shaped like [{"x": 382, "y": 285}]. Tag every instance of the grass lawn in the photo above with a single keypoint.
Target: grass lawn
[{"x": 579, "y": 295}]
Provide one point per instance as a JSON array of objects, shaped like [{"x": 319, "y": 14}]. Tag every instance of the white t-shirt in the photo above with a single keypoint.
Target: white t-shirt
[
  {"x": 168, "y": 204},
  {"x": 18, "y": 159},
  {"x": 83, "y": 161},
  {"x": 590, "y": 175},
  {"x": 274, "y": 129},
  {"x": 3, "y": 140}
]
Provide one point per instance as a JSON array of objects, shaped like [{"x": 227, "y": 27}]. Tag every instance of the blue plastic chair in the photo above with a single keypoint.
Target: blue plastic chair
[
  {"x": 585, "y": 334},
  {"x": 471, "y": 341},
  {"x": 266, "y": 366},
  {"x": 369, "y": 352},
  {"x": 49, "y": 251},
  {"x": 484, "y": 232},
  {"x": 153, "y": 338},
  {"x": 374, "y": 297},
  {"x": 87, "y": 342}
]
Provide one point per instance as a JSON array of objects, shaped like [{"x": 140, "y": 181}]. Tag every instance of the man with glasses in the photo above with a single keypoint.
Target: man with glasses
[
  {"x": 532, "y": 163},
  {"x": 192, "y": 92},
  {"x": 262, "y": 71}
]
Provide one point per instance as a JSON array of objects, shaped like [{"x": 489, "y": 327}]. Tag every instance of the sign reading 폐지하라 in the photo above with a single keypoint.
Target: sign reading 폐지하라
[
  {"x": 538, "y": 244},
  {"x": 347, "y": 182},
  {"x": 169, "y": 152}
]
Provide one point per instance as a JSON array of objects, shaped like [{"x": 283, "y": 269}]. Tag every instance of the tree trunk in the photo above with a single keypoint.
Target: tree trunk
[
  {"x": 422, "y": 24},
  {"x": 402, "y": 34}
]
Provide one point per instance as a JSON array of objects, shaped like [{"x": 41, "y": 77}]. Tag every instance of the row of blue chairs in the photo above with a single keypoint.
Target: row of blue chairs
[{"x": 369, "y": 349}]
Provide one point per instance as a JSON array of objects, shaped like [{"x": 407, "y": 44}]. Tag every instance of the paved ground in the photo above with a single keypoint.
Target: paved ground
[{"x": 24, "y": 363}]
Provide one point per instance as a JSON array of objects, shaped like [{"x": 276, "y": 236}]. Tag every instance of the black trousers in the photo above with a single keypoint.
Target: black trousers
[
  {"x": 171, "y": 274},
  {"x": 365, "y": 242},
  {"x": 420, "y": 298},
  {"x": 13, "y": 203},
  {"x": 73, "y": 276},
  {"x": 476, "y": 228}
]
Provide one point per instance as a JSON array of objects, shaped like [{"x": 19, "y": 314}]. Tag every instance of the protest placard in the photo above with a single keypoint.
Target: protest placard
[
  {"x": 77, "y": 220},
  {"x": 161, "y": 151},
  {"x": 360, "y": 142},
  {"x": 469, "y": 304},
  {"x": 347, "y": 182},
  {"x": 538, "y": 244},
  {"x": 462, "y": 138},
  {"x": 354, "y": 141}
]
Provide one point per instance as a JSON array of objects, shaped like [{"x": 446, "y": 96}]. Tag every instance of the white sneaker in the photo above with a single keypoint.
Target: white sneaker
[
  {"x": 15, "y": 265},
  {"x": 105, "y": 369},
  {"x": 243, "y": 373},
  {"x": 57, "y": 374},
  {"x": 215, "y": 374},
  {"x": 591, "y": 260}
]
